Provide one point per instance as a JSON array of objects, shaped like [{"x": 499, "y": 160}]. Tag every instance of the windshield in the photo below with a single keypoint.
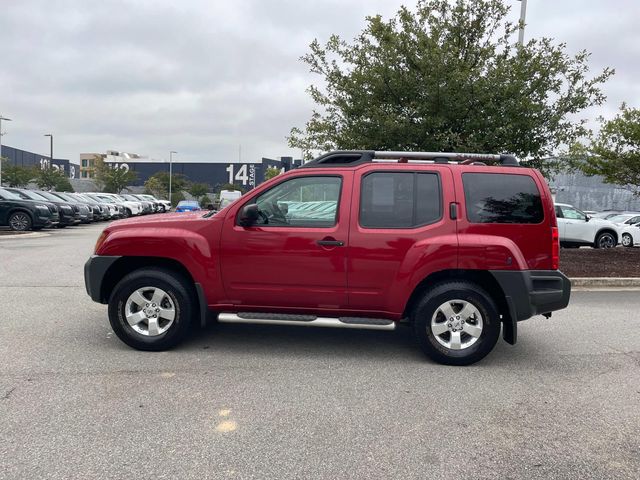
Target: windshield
[
  {"x": 7, "y": 195},
  {"x": 619, "y": 218},
  {"x": 105, "y": 199},
  {"x": 82, "y": 198},
  {"x": 33, "y": 195},
  {"x": 65, "y": 197}
]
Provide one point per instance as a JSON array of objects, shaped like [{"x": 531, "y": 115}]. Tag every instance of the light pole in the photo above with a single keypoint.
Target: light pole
[
  {"x": 50, "y": 149},
  {"x": 523, "y": 16},
  {"x": 170, "y": 172},
  {"x": 8, "y": 120}
]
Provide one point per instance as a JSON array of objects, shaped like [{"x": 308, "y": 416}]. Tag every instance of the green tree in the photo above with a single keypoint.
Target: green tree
[
  {"x": 50, "y": 178},
  {"x": 271, "y": 172},
  {"x": 205, "y": 201},
  {"x": 155, "y": 187},
  {"x": 448, "y": 76},
  {"x": 198, "y": 190},
  {"x": 112, "y": 179},
  {"x": 16, "y": 176},
  {"x": 614, "y": 152},
  {"x": 176, "y": 197},
  {"x": 161, "y": 180}
]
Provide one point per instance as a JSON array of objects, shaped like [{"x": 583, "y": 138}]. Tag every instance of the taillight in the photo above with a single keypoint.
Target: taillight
[{"x": 555, "y": 248}]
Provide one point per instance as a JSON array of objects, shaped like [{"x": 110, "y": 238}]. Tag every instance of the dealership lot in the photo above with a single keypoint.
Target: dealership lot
[{"x": 242, "y": 401}]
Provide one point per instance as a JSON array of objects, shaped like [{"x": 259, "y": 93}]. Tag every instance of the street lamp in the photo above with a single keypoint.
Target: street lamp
[
  {"x": 8, "y": 120},
  {"x": 170, "y": 172},
  {"x": 50, "y": 148},
  {"x": 523, "y": 16}
]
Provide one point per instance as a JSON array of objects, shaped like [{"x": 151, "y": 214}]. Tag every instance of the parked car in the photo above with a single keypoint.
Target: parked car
[
  {"x": 66, "y": 214},
  {"x": 631, "y": 235},
  {"x": 22, "y": 215},
  {"x": 454, "y": 250},
  {"x": 147, "y": 207},
  {"x": 227, "y": 197},
  {"x": 116, "y": 210},
  {"x": 80, "y": 214},
  {"x": 163, "y": 205},
  {"x": 100, "y": 209},
  {"x": 130, "y": 207},
  {"x": 577, "y": 229},
  {"x": 86, "y": 210},
  {"x": 188, "y": 206}
]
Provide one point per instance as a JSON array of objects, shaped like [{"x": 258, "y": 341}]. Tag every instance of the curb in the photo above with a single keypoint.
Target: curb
[
  {"x": 606, "y": 282},
  {"x": 15, "y": 236}
]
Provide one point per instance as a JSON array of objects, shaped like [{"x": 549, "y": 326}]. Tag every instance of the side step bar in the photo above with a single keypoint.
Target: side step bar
[{"x": 307, "y": 320}]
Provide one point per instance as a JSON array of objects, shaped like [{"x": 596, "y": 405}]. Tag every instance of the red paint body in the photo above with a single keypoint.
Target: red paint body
[{"x": 282, "y": 269}]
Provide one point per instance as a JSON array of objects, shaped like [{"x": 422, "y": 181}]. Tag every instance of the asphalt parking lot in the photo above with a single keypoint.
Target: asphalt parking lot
[{"x": 240, "y": 401}]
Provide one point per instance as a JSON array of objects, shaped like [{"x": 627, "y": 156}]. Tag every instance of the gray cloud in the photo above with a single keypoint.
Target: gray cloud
[{"x": 202, "y": 77}]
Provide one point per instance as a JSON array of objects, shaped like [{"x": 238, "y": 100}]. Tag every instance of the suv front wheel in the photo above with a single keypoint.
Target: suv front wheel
[
  {"x": 150, "y": 309},
  {"x": 456, "y": 323}
]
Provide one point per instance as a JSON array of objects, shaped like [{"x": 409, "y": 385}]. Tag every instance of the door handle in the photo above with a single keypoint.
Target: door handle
[{"x": 330, "y": 243}]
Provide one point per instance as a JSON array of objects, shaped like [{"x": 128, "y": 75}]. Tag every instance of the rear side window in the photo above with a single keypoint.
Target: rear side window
[
  {"x": 400, "y": 199},
  {"x": 502, "y": 198}
]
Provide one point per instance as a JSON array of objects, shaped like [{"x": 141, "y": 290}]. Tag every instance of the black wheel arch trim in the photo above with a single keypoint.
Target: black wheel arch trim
[{"x": 94, "y": 272}]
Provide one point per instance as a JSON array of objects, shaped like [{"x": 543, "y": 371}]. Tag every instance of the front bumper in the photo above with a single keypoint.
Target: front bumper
[
  {"x": 533, "y": 292},
  {"x": 94, "y": 272}
]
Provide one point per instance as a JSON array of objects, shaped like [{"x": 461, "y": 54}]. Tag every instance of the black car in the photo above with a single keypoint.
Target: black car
[
  {"x": 86, "y": 210},
  {"x": 65, "y": 210},
  {"x": 22, "y": 215},
  {"x": 100, "y": 210},
  {"x": 77, "y": 217}
]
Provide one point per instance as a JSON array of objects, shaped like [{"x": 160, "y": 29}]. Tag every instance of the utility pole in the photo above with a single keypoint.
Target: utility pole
[
  {"x": 50, "y": 149},
  {"x": 523, "y": 16},
  {"x": 1, "y": 134},
  {"x": 170, "y": 172}
]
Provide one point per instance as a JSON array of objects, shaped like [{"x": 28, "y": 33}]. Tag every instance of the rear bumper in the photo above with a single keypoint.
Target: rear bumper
[
  {"x": 94, "y": 272},
  {"x": 533, "y": 292}
]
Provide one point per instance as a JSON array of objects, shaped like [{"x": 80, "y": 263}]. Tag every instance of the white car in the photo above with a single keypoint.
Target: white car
[
  {"x": 576, "y": 229},
  {"x": 131, "y": 208},
  {"x": 631, "y": 236}
]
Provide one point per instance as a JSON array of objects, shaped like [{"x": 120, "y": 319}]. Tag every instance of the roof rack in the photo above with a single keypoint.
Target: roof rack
[{"x": 353, "y": 158}]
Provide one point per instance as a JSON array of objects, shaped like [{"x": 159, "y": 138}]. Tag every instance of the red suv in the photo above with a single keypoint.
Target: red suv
[{"x": 353, "y": 239}]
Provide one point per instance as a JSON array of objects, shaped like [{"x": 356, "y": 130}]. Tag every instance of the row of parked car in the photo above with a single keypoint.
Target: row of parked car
[
  {"x": 22, "y": 209},
  {"x": 599, "y": 230}
]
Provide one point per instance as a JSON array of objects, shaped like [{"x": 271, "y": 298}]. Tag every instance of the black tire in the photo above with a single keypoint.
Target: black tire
[
  {"x": 177, "y": 288},
  {"x": 20, "y": 221},
  {"x": 456, "y": 290},
  {"x": 627, "y": 240},
  {"x": 605, "y": 240},
  {"x": 127, "y": 213},
  {"x": 61, "y": 225}
]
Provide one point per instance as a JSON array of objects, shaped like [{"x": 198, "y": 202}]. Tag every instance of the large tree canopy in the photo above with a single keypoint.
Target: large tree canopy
[
  {"x": 447, "y": 76},
  {"x": 615, "y": 152}
]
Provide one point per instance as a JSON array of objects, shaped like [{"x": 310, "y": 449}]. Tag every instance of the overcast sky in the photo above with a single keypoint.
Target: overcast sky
[{"x": 205, "y": 76}]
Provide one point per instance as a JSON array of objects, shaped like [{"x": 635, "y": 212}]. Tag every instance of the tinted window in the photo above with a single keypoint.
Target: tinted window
[
  {"x": 399, "y": 200},
  {"x": 502, "y": 198},
  {"x": 301, "y": 202}
]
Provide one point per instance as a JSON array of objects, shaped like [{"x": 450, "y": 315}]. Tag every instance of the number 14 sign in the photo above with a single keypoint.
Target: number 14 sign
[{"x": 245, "y": 174}]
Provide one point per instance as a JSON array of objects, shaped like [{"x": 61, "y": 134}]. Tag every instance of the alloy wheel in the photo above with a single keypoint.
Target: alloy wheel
[
  {"x": 19, "y": 222},
  {"x": 457, "y": 324},
  {"x": 606, "y": 241},
  {"x": 627, "y": 241},
  {"x": 150, "y": 311}
]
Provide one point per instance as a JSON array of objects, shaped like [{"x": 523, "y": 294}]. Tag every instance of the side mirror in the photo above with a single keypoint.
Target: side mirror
[
  {"x": 210, "y": 206},
  {"x": 249, "y": 215},
  {"x": 587, "y": 218}
]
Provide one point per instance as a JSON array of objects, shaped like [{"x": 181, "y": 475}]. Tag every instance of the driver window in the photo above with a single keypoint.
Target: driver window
[{"x": 301, "y": 202}]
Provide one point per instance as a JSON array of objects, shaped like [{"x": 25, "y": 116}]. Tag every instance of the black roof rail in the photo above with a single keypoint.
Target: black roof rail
[{"x": 352, "y": 158}]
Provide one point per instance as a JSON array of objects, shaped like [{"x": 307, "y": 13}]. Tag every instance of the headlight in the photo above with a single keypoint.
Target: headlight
[
  {"x": 43, "y": 207},
  {"x": 65, "y": 208}
]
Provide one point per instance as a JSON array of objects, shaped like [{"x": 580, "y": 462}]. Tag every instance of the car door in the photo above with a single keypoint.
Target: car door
[
  {"x": 295, "y": 255},
  {"x": 400, "y": 233},
  {"x": 577, "y": 228}
]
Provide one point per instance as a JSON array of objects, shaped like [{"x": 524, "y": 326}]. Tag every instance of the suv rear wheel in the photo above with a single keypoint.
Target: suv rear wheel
[
  {"x": 605, "y": 240},
  {"x": 456, "y": 323},
  {"x": 150, "y": 309}
]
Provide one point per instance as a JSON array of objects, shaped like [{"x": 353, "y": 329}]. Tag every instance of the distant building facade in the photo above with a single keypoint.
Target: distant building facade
[
  {"x": 246, "y": 175},
  {"x": 23, "y": 158},
  {"x": 591, "y": 193}
]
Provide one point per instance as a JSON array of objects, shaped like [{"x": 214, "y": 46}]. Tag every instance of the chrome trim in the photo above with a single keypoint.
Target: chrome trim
[{"x": 318, "y": 322}]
